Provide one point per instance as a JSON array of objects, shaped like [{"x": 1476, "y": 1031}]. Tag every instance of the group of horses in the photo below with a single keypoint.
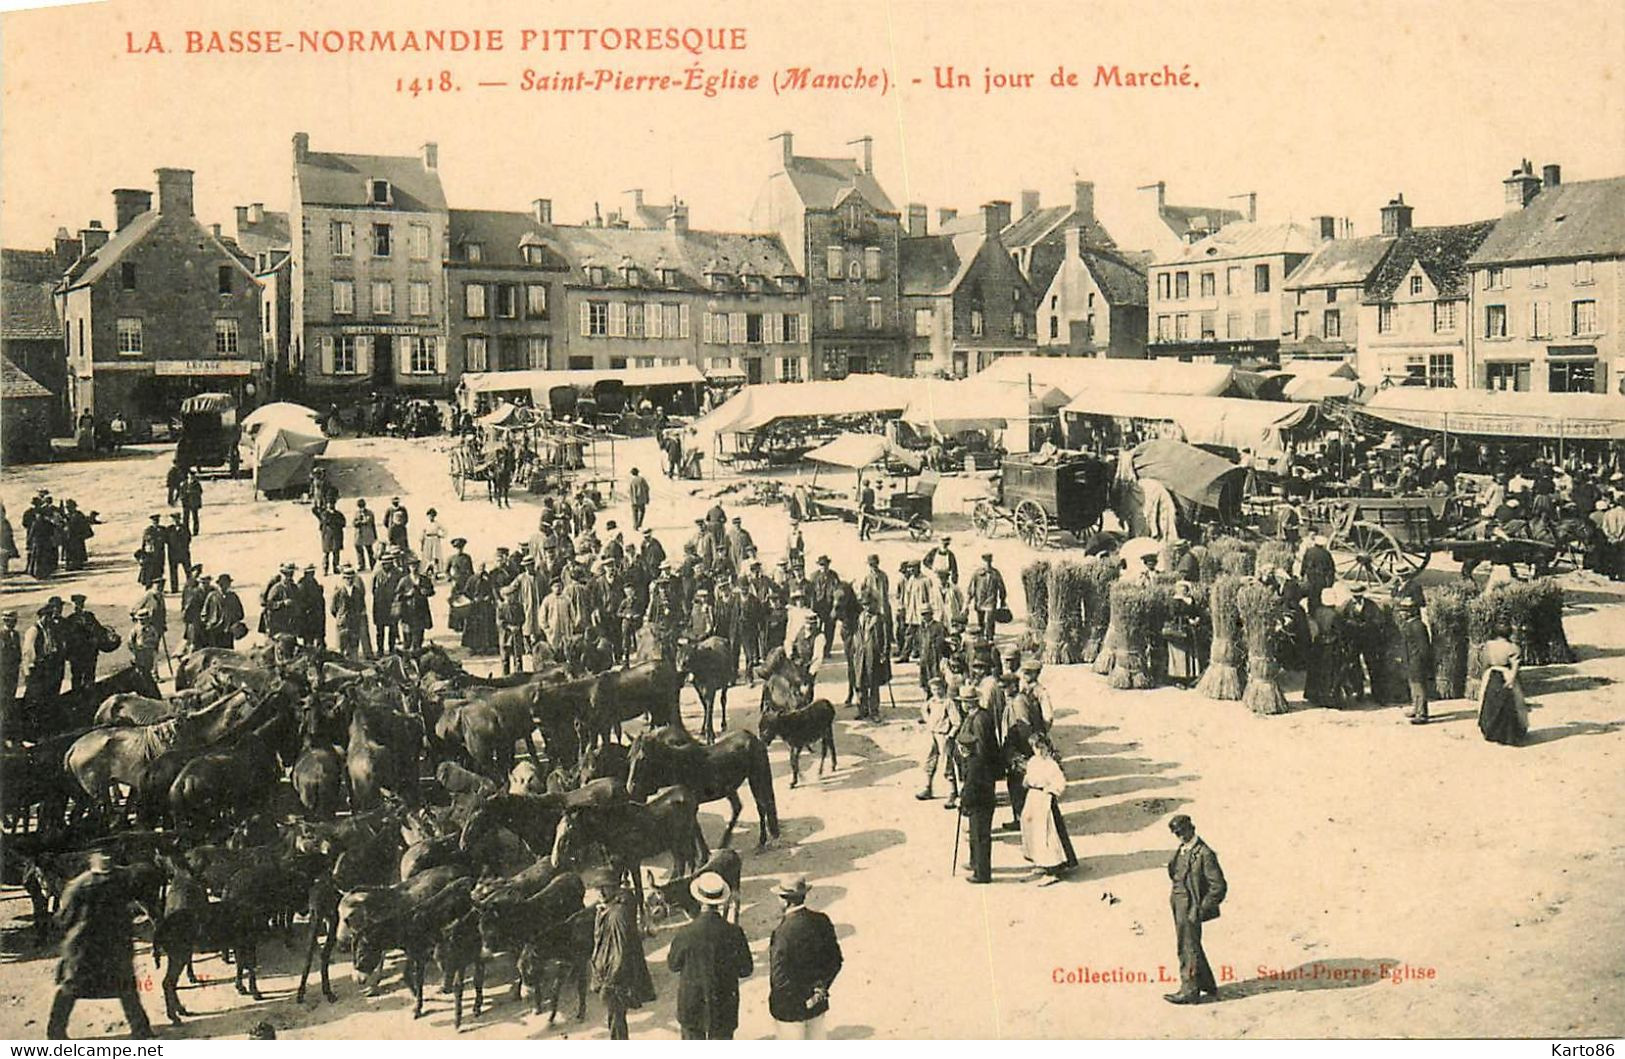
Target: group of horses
[{"x": 388, "y": 804}]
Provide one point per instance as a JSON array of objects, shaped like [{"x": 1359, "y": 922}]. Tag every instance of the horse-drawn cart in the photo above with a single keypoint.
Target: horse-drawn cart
[{"x": 1042, "y": 498}]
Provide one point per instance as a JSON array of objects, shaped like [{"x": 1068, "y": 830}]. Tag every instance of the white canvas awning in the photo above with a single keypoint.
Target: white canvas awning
[
  {"x": 972, "y": 404},
  {"x": 1228, "y": 422},
  {"x": 755, "y": 407},
  {"x": 1494, "y": 413},
  {"x": 851, "y": 450},
  {"x": 540, "y": 383},
  {"x": 1076, "y": 376}
]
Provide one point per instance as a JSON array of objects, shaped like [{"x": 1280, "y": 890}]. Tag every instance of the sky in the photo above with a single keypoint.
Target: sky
[{"x": 1319, "y": 108}]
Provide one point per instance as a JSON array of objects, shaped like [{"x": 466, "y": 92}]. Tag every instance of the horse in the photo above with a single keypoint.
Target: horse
[
  {"x": 382, "y": 754},
  {"x": 103, "y": 756},
  {"x": 77, "y": 708},
  {"x": 801, "y": 729},
  {"x": 533, "y": 817},
  {"x": 675, "y": 893},
  {"x": 668, "y": 755},
  {"x": 785, "y": 684},
  {"x": 710, "y": 664},
  {"x": 630, "y": 832},
  {"x": 318, "y": 778},
  {"x": 650, "y": 690},
  {"x": 225, "y": 782},
  {"x": 488, "y": 724}
]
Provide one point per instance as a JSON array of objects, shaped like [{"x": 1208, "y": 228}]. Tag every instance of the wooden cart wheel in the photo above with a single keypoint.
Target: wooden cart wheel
[
  {"x": 919, "y": 528},
  {"x": 985, "y": 517},
  {"x": 1032, "y": 524},
  {"x": 1370, "y": 554}
]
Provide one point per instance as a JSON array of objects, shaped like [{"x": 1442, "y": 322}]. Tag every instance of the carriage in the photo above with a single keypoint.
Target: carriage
[{"x": 1041, "y": 498}]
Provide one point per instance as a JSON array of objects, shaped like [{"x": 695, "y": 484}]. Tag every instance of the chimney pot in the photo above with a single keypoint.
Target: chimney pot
[
  {"x": 916, "y": 218},
  {"x": 1029, "y": 202},
  {"x": 301, "y": 146},
  {"x": 431, "y": 155},
  {"x": 174, "y": 191},
  {"x": 1551, "y": 174},
  {"x": 996, "y": 216},
  {"x": 542, "y": 210},
  {"x": 128, "y": 204}
]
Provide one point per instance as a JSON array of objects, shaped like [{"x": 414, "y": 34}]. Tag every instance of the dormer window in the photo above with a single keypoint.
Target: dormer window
[
  {"x": 668, "y": 277},
  {"x": 719, "y": 280},
  {"x": 630, "y": 274},
  {"x": 791, "y": 283},
  {"x": 595, "y": 275},
  {"x": 533, "y": 255},
  {"x": 379, "y": 192},
  {"x": 473, "y": 252},
  {"x": 753, "y": 281}
]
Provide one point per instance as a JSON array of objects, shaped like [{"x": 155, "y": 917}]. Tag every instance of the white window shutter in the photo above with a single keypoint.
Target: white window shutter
[
  {"x": 736, "y": 327},
  {"x": 403, "y": 356},
  {"x": 654, "y": 320},
  {"x": 327, "y": 354},
  {"x": 439, "y": 354},
  {"x": 363, "y": 354},
  {"x": 682, "y": 320},
  {"x": 806, "y": 328},
  {"x": 617, "y": 319},
  {"x": 708, "y": 335},
  {"x": 586, "y": 318},
  {"x": 773, "y": 328}
]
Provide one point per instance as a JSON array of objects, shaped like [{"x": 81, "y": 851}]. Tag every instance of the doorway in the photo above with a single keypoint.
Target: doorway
[
  {"x": 383, "y": 359},
  {"x": 753, "y": 370}
]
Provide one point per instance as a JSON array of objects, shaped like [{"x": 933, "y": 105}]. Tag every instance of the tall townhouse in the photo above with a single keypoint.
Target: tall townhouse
[
  {"x": 1095, "y": 305},
  {"x": 1547, "y": 290},
  {"x": 967, "y": 299},
  {"x": 1325, "y": 292},
  {"x": 505, "y": 274},
  {"x": 158, "y": 309},
  {"x": 369, "y": 290},
  {"x": 842, "y": 234}
]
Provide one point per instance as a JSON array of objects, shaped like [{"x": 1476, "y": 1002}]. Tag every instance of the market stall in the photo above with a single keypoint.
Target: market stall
[
  {"x": 782, "y": 422},
  {"x": 1075, "y": 376},
  {"x": 1259, "y": 427},
  {"x": 897, "y": 506},
  {"x": 675, "y": 387},
  {"x": 283, "y": 441},
  {"x": 1008, "y": 410},
  {"x": 1564, "y": 417}
]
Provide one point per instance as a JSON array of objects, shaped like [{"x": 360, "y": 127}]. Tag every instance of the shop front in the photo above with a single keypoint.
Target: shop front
[{"x": 148, "y": 395}]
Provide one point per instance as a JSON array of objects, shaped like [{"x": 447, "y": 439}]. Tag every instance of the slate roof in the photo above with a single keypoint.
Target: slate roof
[
  {"x": 30, "y": 266},
  {"x": 1186, "y": 219},
  {"x": 1038, "y": 224},
  {"x": 1441, "y": 250},
  {"x": 15, "y": 383},
  {"x": 269, "y": 235},
  {"x": 692, "y": 254},
  {"x": 820, "y": 181},
  {"x": 1247, "y": 239},
  {"x": 1120, "y": 281},
  {"x": 937, "y": 264},
  {"x": 27, "y": 310},
  {"x": 1583, "y": 219},
  {"x": 330, "y": 179},
  {"x": 88, "y": 270},
  {"x": 501, "y": 234},
  {"x": 1340, "y": 263}
]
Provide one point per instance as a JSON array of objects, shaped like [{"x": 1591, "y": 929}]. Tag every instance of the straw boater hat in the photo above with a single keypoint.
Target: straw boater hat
[
  {"x": 793, "y": 886},
  {"x": 709, "y": 888}
]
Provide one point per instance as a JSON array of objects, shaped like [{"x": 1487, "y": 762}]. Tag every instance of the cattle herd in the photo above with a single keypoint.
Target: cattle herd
[{"x": 401, "y": 806}]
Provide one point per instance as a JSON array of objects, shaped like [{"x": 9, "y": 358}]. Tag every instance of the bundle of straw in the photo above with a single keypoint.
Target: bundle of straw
[
  {"x": 1274, "y": 553},
  {"x": 1447, "y": 614},
  {"x": 1138, "y": 610},
  {"x": 1223, "y": 678},
  {"x": 1035, "y": 583},
  {"x": 1098, "y": 573},
  {"x": 1064, "y": 632},
  {"x": 1260, "y": 612},
  {"x": 1548, "y": 643}
]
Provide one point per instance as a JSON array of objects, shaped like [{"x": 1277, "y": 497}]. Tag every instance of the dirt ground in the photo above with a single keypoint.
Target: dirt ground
[{"x": 1354, "y": 844}]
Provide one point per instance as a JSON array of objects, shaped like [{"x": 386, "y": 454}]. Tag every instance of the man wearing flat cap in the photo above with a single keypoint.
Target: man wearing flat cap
[
  {"x": 1198, "y": 890},
  {"x": 709, "y": 956},
  {"x": 349, "y": 609},
  {"x": 986, "y": 596},
  {"x": 84, "y": 640},
  {"x": 980, "y": 767},
  {"x": 804, "y": 957},
  {"x": 43, "y": 662}
]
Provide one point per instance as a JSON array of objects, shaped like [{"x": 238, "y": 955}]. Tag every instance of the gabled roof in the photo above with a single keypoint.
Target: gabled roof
[
  {"x": 332, "y": 179},
  {"x": 938, "y": 264},
  {"x": 29, "y": 266},
  {"x": 1119, "y": 280},
  {"x": 501, "y": 234},
  {"x": 16, "y": 383},
  {"x": 1046, "y": 220},
  {"x": 1583, "y": 219},
  {"x": 28, "y": 311},
  {"x": 691, "y": 254},
  {"x": 269, "y": 235},
  {"x": 1184, "y": 220},
  {"x": 1340, "y": 263},
  {"x": 820, "y": 181},
  {"x": 1247, "y": 239},
  {"x": 88, "y": 270},
  {"x": 1442, "y": 251}
]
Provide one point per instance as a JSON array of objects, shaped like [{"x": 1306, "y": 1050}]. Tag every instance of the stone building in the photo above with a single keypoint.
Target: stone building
[
  {"x": 158, "y": 309},
  {"x": 30, "y": 325},
  {"x": 965, "y": 297},
  {"x": 504, "y": 282},
  {"x": 1095, "y": 305},
  {"x": 368, "y": 299}
]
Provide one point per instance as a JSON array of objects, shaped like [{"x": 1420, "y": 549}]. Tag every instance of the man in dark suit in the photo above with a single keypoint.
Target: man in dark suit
[
  {"x": 980, "y": 766},
  {"x": 709, "y": 956},
  {"x": 1198, "y": 890},
  {"x": 804, "y": 957}
]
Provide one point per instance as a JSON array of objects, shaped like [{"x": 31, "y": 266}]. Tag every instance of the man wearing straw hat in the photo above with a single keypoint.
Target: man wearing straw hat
[
  {"x": 980, "y": 765},
  {"x": 709, "y": 956},
  {"x": 803, "y": 958}
]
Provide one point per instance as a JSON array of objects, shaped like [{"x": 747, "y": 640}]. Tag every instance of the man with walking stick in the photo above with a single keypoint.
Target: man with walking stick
[{"x": 978, "y": 746}]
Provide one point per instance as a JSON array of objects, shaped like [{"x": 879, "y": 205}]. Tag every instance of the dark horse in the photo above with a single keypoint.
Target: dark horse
[
  {"x": 786, "y": 685},
  {"x": 669, "y": 755},
  {"x": 709, "y": 664}
]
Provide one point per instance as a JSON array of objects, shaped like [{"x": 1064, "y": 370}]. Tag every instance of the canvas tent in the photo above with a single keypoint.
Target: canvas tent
[
  {"x": 755, "y": 407},
  {"x": 851, "y": 450},
  {"x": 1075, "y": 376},
  {"x": 1225, "y": 422},
  {"x": 968, "y": 404},
  {"x": 283, "y": 441},
  {"x": 1493, "y": 413},
  {"x": 1193, "y": 475},
  {"x": 540, "y": 384}
]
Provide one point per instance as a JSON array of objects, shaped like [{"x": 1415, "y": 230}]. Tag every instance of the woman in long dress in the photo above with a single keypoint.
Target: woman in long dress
[
  {"x": 1040, "y": 841},
  {"x": 1503, "y": 715},
  {"x": 429, "y": 546},
  {"x": 1182, "y": 635},
  {"x": 480, "y": 623}
]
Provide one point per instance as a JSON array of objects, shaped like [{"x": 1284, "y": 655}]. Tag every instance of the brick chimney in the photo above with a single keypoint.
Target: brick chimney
[
  {"x": 866, "y": 157},
  {"x": 1029, "y": 202},
  {"x": 431, "y": 155},
  {"x": 174, "y": 191},
  {"x": 542, "y": 210},
  {"x": 128, "y": 204},
  {"x": 1396, "y": 217},
  {"x": 256, "y": 213},
  {"x": 1083, "y": 201},
  {"x": 301, "y": 146},
  {"x": 996, "y": 216},
  {"x": 65, "y": 248},
  {"x": 1521, "y": 187},
  {"x": 93, "y": 238},
  {"x": 677, "y": 220},
  {"x": 916, "y": 218},
  {"x": 1551, "y": 175},
  {"x": 242, "y": 216},
  {"x": 787, "y": 147},
  {"x": 945, "y": 214},
  {"x": 1325, "y": 227}
]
